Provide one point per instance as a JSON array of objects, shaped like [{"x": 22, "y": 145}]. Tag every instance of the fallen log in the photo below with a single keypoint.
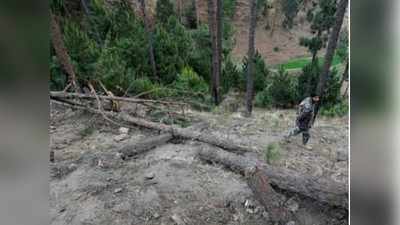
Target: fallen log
[
  {"x": 145, "y": 145},
  {"x": 256, "y": 179},
  {"x": 177, "y": 132},
  {"x": 321, "y": 189},
  {"x": 66, "y": 95}
]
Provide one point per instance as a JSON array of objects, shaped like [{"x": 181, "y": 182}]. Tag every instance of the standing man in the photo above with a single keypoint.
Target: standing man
[{"x": 304, "y": 120}]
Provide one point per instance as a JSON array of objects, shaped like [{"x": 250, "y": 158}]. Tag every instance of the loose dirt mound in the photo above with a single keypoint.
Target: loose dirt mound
[{"x": 91, "y": 184}]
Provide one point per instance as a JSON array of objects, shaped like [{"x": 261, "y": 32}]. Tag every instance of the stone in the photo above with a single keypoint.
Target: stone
[
  {"x": 120, "y": 137},
  {"x": 265, "y": 215},
  {"x": 177, "y": 220},
  {"x": 123, "y": 130},
  {"x": 72, "y": 166},
  {"x": 149, "y": 176},
  {"x": 292, "y": 205},
  {"x": 118, "y": 190},
  {"x": 291, "y": 223},
  {"x": 156, "y": 215}
]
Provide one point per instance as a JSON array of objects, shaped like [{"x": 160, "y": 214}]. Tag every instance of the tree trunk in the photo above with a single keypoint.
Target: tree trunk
[
  {"x": 257, "y": 180},
  {"x": 61, "y": 51},
  {"x": 341, "y": 10},
  {"x": 212, "y": 24},
  {"x": 318, "y": 188},
  {"x": 179, "y": 9},
  {"x": 150, "y": 39},
  {"x": 251, "y": 60},
  {"x": 145, "y": 145},
  {"x": 177, "y": 132},
  {"x": 345, "y": 76},
  {"x": 220, "y": 18},
  {"x": 196, "y": 9}
]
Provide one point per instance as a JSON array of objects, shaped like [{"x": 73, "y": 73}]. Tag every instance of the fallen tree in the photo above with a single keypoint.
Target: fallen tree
[
  {"x": 70, "y": 95},
  {"x": 145, "y": 145},
  {"x": 177, "y": 132},
  {"x": 321, "y": 189}
]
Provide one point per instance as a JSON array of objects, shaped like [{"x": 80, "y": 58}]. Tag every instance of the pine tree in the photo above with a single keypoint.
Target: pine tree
[
  {"x": 164, "y": 9},
  {"x": 212, "y": 24},
  {"x": 150, "y": 39},
  {"x": 251, "y": 53},
  {"x": 341, "y": 10}
]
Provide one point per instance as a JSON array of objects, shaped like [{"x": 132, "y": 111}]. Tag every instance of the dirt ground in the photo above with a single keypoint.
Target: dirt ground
[{"x": 91, "y": 184}]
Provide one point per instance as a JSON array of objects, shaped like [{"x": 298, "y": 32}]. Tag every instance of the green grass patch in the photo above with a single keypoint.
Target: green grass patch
[
  {"x": 272, "y": 152},
  {"x": 299, "y": 63}
]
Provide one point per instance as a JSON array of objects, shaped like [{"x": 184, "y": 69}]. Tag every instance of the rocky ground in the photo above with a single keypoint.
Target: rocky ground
[{"x": 91, "y": 184}]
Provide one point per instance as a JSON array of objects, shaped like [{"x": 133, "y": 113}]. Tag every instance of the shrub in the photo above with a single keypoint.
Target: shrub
[
  {"x": 164, "y": 9},
  {"x": 290, "y": 9},
  {"x": 230, "y": 76},
  {"x": 199, "y": 59},
  {"x": 308, "y": 80},
  {"x": 173, "y": 46},
  {"x": 281, "y": 90},
  {"x": 229, "y": 8},
  {"x": 263, "y": 99},
  {"x": 260, "y": 75},
  {"x": 58, "y": 80},
  {"x": 272, "y": 152},
  {"x": 338, "y": 109},
  {"x": 189, "y": 81},
  {"x": 276, "y": 49}
]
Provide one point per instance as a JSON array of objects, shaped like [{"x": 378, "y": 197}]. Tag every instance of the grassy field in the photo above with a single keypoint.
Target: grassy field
[{"x": 299, "y": 63}]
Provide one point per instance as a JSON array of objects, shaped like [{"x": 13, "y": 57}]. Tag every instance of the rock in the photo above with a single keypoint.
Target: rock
[
  {"x": 120, "y": 137},
  {"x": 123, "y": 130},
  {"x": 100, "y": 163},
  {"x": 118, "y": 190},
  {"x": 72, "y": 166},
  {"x": 177, "y": 220},
  {"x": 292, "y": 205},
  {"x": 291, "y": 223},
  {"x": 342, "y": 156},
  {"x": 156, "y": 215},
  {"x": 265, "y": 215},
  {"x": 250, "y": 206},
  {"x": 149, "y": 176}
]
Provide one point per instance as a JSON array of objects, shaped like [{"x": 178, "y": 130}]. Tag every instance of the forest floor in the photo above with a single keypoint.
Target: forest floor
[{"x": 91, "y": 184}]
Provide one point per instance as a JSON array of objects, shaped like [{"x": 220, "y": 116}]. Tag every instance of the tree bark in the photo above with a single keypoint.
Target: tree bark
[
  {"x": 150, "y": 39},
  {"x": 251, "y": 53},
  {"x": 321, "y": 189},
  {"x": 212, "y": 24},
  {"x": 61, "y": 51},
  {"x": 341, "y": 10},
  {"x": 220, "y": 18},
  {"x": 145, "y": 145}
]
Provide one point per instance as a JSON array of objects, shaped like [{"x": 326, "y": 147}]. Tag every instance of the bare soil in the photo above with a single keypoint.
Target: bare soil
[{"x": 91, "y": 184}]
